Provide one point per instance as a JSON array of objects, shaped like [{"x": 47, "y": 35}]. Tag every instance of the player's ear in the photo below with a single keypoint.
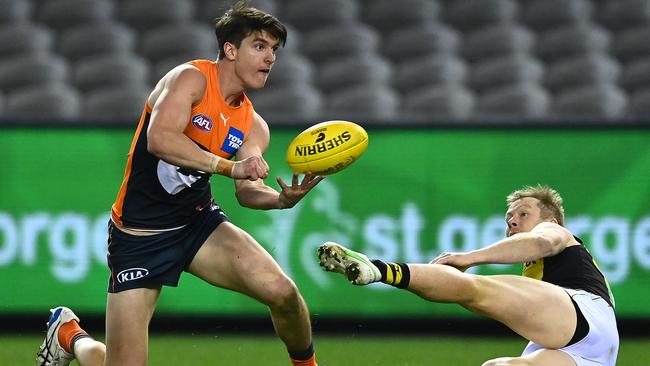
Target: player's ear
[{"x": 229, "y": 51}]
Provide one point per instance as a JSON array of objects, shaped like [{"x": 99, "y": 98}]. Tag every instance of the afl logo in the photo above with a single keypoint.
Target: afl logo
[
  {"x": 131, "y": 274},
  {"x": 202, "y": 122}
]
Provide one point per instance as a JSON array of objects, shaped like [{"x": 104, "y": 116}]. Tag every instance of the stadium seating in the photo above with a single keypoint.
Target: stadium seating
[
  {"x": 366, "y": 68},
  {"x": 102, "y": 71},
  {"x": 24, "y": 37},
  {"x": 122, "y": 104},
  {"x": 446, "y": 101},
  {"x": 429, "y": 70},
  {"x": 51, "y": 102},
  {"x": 14, "y": 11},
  {"x": 61, "y": 14},
  {"x": 32, "y": 69},
  {"x": 458, "y": 59},
  {"x": 542, "y": 15},
  {"x": 389, "y": 15},
  {"x": 418, "y": 41},
  {"x": 308, "y": 15},
  {"x": 513, "y": 102},
  {"x": 104, "y": 37},
  {"x": 294, "y": 103},
  {"x": 508, "y": 69}
]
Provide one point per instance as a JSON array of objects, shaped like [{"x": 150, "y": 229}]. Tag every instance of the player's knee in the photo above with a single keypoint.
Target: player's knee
[{"x": 282, "y": 294}]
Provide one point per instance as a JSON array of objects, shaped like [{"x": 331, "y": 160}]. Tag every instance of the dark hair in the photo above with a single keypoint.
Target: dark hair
[{"x": 241, "y": 20}]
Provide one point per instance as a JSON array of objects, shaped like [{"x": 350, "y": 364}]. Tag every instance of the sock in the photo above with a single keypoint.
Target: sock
[
  {"x": 394, "y": 274},
  {"x": 304, "y": 358},
  {"x": 69, "y": 333}
]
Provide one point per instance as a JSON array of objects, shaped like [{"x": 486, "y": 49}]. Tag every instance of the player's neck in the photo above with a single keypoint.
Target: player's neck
[{"x": 230, "y": 86}]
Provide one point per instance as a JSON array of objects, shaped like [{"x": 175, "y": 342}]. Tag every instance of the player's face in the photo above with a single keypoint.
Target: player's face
[
  {"x": 523, "y": 215},
  {"x": 255, "y": 58}
]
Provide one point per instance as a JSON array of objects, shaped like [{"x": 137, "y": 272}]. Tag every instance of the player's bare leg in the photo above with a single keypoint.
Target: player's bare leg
[
  {"x": 232, "y": 259},
  {"x": 128, "y": 314},
  {"x": 538, "y": 311},
  {"x": 89, "y": 352}
]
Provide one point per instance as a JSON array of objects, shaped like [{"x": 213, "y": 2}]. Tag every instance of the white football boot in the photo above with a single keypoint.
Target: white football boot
[
  {"x": 51, "y": 353},
  {"x": 354, "y": 265}
]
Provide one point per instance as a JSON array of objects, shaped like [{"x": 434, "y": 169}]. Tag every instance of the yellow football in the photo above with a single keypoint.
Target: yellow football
[{"x": 327, "y": 147}]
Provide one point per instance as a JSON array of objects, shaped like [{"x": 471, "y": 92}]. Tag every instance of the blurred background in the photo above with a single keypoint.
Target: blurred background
[{"x": 464, "y": 101}]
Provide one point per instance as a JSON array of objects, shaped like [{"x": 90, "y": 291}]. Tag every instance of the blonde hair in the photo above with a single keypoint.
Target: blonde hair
[{"x": 550, "y": 202}]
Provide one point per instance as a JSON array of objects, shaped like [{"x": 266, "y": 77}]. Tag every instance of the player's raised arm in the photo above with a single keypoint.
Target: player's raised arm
[{"x": 171, "y": 103}]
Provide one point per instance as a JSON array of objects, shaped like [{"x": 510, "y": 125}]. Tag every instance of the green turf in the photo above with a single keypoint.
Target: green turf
[{"x": 332, "y": 351}]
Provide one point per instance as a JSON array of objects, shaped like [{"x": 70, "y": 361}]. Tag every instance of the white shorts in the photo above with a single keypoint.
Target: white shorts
[{"x": 600, "y": 346}]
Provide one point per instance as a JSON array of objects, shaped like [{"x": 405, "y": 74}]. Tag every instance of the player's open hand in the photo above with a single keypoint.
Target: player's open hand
[
  {"x": 290, "y": 195},
  {"x": 251, "y": 168},
  {"x": 458, "y": 260}
]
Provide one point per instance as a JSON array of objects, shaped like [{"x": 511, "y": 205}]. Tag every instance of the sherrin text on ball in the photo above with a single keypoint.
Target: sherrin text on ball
[{"x": 327, "y": 147}]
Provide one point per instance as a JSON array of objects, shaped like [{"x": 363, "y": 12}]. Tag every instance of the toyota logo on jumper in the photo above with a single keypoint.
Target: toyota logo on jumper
[{"x": 131, "y": 274}]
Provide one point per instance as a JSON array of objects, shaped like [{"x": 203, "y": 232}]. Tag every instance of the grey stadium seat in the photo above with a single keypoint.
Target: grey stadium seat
[
  {"x": 295, "y": 103},
  {"x": 388, "y": 15},
  {"x": 122, "y": 103},
  {"x": 21, "y": 38},
  {"x": 572, "y": 40},
  {"x": 412, "y": 42},
  {"x": 636, "y": 74},
  {"x": 308, "y": 15},
  {"x": 639, "y": 104},
  {"x": 15, "y": 11},
  {"x": 193, "y": 40},
  {"x": 582, "y": 70},
  {"x": 632, "y": 43},
  {"x": 146, "y": 14},
  {"x": 498, "y": 40},
  {"x": 621, "y": 14},
  {"x": 25, "y": 70},
  {"x": 98, "y": 38},
  {"x": 439, "y": 101},
  {"x": 290, "y": 68},
  {"x": 542, "y": 15},
  {"x": 61, "y": 14},
  {"x": 428, "y": 70},
  {"x": 593, "y": 101},
  {"x": 44, "y": 102},
  {"x": 346, "y": 71},
  {"x": 208, "y": 10},
  {"x": 469, "y": 15},
  {"x": 509, "y": 69},
  {"x": 339, "y": 40},
  {"x": 110, "y": 70},
  {"x": 374, "y": 102},
  {"x": 515, "y": 101}
]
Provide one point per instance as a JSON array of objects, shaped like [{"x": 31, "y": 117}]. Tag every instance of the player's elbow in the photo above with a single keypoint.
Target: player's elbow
[
  {"x": 546, "y": 246},
  {"x": 155, "y": 145}
]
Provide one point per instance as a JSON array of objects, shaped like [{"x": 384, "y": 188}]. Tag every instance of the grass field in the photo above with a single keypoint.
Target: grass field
[{"x": 332, "y": 351}]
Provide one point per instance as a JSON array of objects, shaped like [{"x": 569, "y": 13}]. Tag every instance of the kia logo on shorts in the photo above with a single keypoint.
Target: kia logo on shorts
[
  {"x": 202, "y": 122},
  {"x": 131, "y": 274}
]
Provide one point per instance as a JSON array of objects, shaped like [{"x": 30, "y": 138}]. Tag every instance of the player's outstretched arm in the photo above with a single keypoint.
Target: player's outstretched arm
[
  {"x": 546, "y": 239},
  {"x": 254, "y": 193}
]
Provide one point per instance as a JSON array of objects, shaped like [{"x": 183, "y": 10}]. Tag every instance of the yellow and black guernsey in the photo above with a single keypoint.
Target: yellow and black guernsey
[
  {"x": 156, "y": 195},
  {"x": 573, "y": 268}
]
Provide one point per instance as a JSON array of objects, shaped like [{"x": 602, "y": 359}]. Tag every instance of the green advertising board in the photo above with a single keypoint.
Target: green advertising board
[{"x": 414, "y": 194}]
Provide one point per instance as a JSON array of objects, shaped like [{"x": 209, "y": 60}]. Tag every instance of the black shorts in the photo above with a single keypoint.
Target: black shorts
[{"x": 155, "y": 260}]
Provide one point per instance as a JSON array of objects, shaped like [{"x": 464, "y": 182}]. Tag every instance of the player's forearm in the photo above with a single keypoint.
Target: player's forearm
[
  {"x": 259, "y": 197},
  {"x": 179, "y": 150},
  {"x": 520, "y": 248}
]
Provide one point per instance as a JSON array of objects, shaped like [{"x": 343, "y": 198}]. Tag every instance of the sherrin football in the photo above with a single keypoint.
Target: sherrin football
[{"x": 327, "y": 147}]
